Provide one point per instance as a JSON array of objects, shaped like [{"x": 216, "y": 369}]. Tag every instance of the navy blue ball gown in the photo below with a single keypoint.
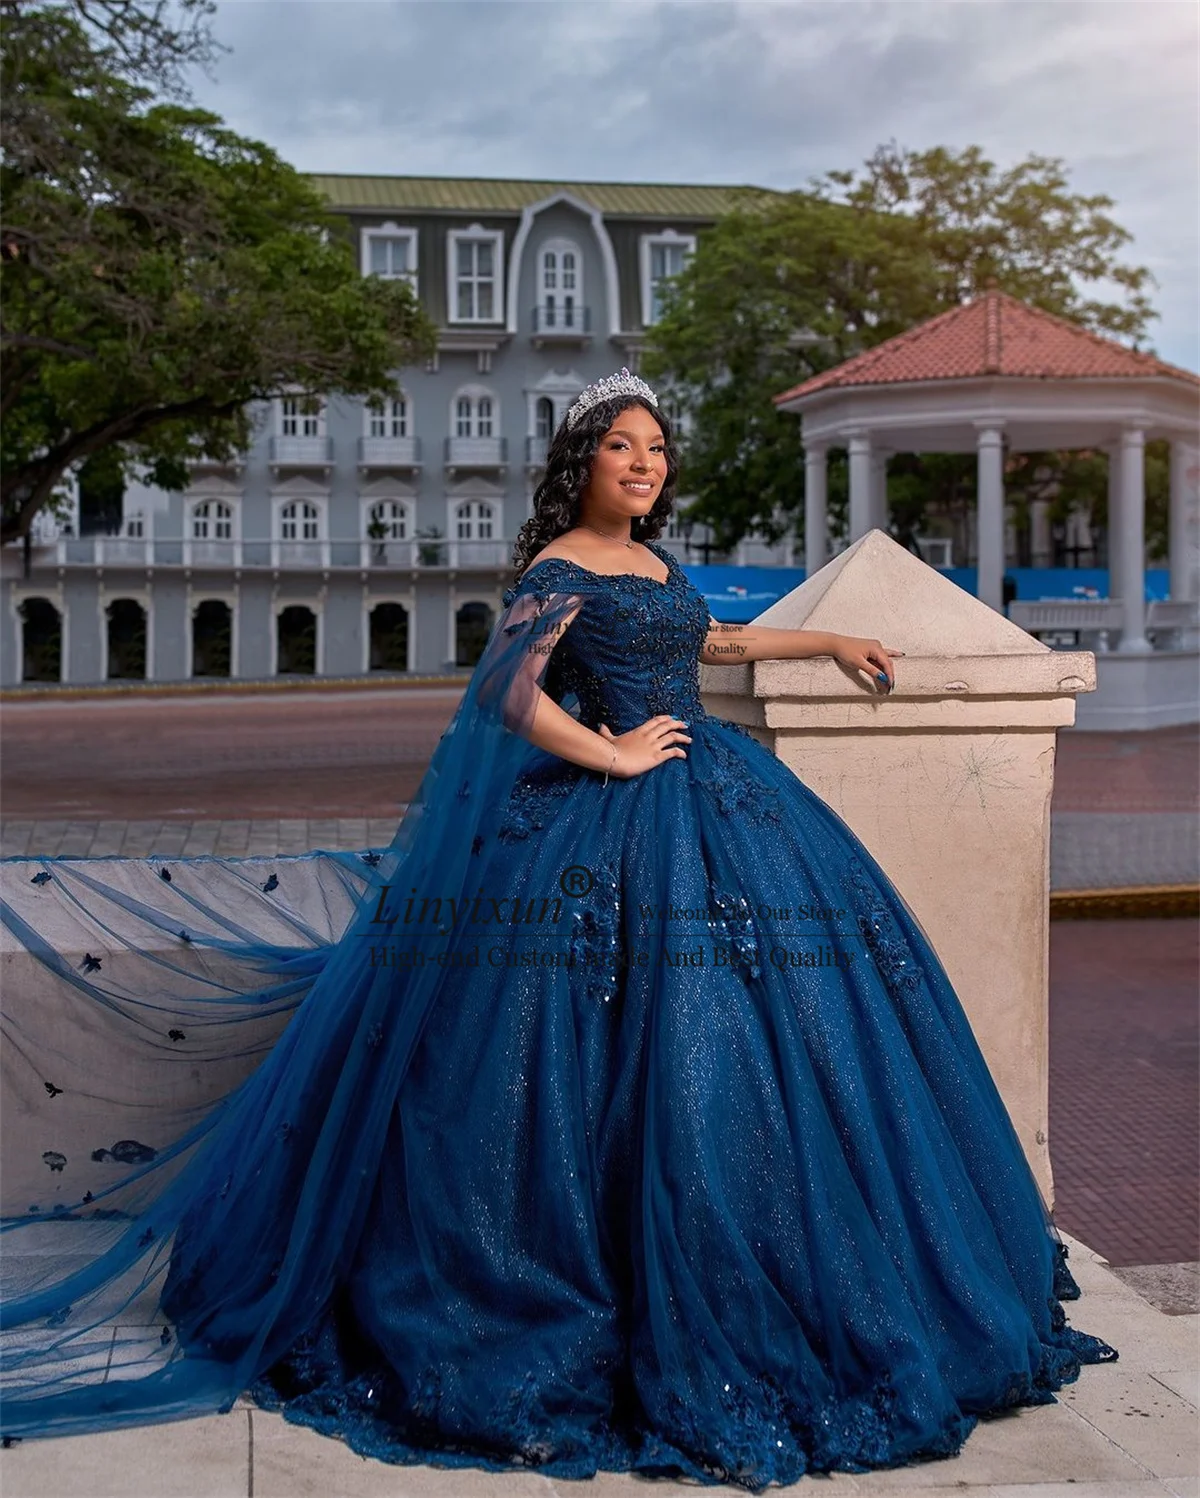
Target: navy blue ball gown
[{"x": 631, "y": 1126}]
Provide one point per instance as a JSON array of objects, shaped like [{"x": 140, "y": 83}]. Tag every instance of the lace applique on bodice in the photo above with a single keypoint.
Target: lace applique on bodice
[{"x": 633, "y": 649}]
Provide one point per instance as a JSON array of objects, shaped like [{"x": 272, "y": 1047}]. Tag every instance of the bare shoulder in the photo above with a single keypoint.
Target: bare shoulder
[{"x": 559, "y": 548}]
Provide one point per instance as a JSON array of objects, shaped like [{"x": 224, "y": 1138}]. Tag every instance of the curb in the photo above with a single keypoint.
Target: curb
[
  {"x": 225, "y": 687},
  {"x": 1138, "y": 903}
]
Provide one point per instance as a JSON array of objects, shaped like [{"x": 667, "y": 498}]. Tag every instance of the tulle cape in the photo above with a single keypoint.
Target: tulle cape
[{"x": 200, "y": 1061}]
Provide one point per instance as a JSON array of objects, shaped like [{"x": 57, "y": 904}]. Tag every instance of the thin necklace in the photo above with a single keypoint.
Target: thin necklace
[{"x": 617, "y": 539}]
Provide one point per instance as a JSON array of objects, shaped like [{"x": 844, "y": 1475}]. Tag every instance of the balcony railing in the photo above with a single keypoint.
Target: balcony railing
[
  {"x": 301, "y": 452},
  {"x": 104, "y": 551},
  {"x": 389, "y": 553},
  {"x": 535, "y": 451},
  {"x": 389, "y": 452},
  {"x": 476, "y": 452},
  {"x": 559, "y": 322},
  {"x": 280, "y": 555},
  {"x": 218, "y": 554}
]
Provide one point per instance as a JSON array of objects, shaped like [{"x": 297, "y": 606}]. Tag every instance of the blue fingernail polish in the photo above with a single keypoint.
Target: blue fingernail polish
[{"x": 880, "y": 676}]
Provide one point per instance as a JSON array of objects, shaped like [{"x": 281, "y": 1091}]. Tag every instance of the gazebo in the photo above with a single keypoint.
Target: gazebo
[{"x": 997, "y": 376}]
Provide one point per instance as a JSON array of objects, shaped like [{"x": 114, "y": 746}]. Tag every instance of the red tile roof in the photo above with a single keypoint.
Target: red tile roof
[{"x": 993, "y": 335}]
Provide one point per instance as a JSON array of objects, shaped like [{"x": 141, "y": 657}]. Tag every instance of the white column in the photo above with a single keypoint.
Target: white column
[
  {"x": 816, "y": 508},
  {"x": 1041, "y": 544},
  {"x": 1183, "y": 524},
  {"x": 860, "y": 485},
  {"x": 879, "y": 504},
  {"x": 1132, "y": 506},
  {"x": 989, "y": 519},
  {"x": 1114, "y": 519}
]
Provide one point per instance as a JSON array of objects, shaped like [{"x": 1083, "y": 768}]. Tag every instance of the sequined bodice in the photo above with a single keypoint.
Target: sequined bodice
[{"x": 633, "y": 649}]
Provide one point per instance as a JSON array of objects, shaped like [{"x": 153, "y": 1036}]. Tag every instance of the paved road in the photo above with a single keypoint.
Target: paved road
[{"x": 279, "y": 770}]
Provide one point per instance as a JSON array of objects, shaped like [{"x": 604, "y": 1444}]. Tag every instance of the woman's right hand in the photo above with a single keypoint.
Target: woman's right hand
[{"x": 641, "y": 749}]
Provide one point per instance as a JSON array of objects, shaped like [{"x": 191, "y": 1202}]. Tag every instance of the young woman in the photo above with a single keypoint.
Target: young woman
[{"x": 624, "y": 1118}]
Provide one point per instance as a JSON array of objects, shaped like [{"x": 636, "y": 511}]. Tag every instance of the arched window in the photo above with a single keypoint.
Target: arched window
[
  {"x": 388, "y": 638},
  {"x": 301, "y": 416},
  {"x": 387, "y": 521},
  {"x": 126, "y": 640},
  {"x": 389, "y": 420},
  {"x": 212, "y": 521},
  {"x": 472, "y": 626},
  {"x": 560, "y": 290},
  {"x": 299, "y": 521},
  {"x": 296, "y": 641},
  {"x": 41, "y": 641},
  {"x": 544, "y": 418},
  {"x": 212, "y": 638},
  {"x": 475, "y": 520},
  {"x": 476, "y": 413}
]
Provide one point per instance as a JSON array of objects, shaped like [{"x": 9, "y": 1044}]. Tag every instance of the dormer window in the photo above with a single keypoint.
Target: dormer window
[{"x": 560, "y": 290}]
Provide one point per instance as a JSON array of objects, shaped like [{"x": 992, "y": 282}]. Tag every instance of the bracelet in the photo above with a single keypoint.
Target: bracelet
[{"x": 611, "y": 763}]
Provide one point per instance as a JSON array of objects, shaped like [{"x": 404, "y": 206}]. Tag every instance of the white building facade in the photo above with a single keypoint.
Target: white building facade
[{"x": 348, "y": 541}]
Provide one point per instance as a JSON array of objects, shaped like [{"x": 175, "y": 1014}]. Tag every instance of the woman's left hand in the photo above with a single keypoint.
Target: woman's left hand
[{"x": 869, "y": 656}]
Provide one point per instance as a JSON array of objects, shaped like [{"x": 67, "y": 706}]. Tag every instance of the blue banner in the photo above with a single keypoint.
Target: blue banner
[{"x": 736, "y": 595}]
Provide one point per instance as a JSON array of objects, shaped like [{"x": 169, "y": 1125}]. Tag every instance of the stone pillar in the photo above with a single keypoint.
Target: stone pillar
[
  {"x": 1184, "y": 522},
  {"x": 947, "y": 781},
  {"x": 989, "y": 449},
  {"x": 860, "y": 484},
  {"x": 816, "y": 507},
  {"x": 1132, "y": 505}
]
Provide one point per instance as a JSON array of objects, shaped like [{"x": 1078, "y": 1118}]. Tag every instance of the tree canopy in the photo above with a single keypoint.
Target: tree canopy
[
  {"x": 161, "y": 274},
  {"x": 783, "y": 288}
]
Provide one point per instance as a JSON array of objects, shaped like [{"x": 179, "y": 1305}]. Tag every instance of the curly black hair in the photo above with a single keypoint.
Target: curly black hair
[{"x": 568, "y": 469}]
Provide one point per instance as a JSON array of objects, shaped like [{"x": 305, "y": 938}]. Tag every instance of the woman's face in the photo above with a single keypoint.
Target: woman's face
[{"x": 630, "y": 466}]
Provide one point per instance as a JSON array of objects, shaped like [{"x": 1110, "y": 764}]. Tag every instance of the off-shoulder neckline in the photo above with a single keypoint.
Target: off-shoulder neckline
[{"x": 661, "y": 582}]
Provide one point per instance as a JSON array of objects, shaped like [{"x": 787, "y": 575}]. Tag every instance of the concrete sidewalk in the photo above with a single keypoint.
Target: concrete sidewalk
[
  {"x": 1124, "y": 1430},
  {"x": 1088, "y": 849}
]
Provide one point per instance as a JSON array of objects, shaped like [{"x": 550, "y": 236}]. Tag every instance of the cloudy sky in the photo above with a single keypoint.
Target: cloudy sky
[{"x": 713, "y": 91}]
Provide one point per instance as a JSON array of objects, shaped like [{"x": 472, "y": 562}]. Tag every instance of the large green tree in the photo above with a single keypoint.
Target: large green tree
[
  {"x": 160, "y": 273},
  {"x": 784, "y": 288}
]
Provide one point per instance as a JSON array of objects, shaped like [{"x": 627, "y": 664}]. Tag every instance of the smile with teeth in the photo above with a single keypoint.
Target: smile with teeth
[{"x": 637, "y": 486}]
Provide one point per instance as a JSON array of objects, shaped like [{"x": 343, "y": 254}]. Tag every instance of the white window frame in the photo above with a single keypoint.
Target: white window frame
[
  {"x": 475, "y": 233},
  {"x": 390, "y": 231},
  {"x": 198, "y": 515},
  {"x": 469, "y": 513},
  {"x": 282, "y": 416},
  {"x": 402, "y": 514},
  {"x": 483, "y": 408},
  {"x": 533, "y": 418},
  {"x": 313, "y": 519},
  {"x": 649, "y": 242},
  {"x": 319, "y": 542},
  {"x": 560, "y": 290},
  {"x": 388, "y": 417}
]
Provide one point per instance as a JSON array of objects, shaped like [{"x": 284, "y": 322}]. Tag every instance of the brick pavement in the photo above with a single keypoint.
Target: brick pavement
[{"x": 1124, "y": 1088}]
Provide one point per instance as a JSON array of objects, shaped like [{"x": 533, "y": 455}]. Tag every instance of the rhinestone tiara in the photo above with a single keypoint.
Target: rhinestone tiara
[{"x": 608, "y": 388}]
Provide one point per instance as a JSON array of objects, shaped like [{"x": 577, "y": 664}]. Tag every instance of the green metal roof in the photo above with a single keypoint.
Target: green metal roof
[{"x": 502, "y": 195}]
